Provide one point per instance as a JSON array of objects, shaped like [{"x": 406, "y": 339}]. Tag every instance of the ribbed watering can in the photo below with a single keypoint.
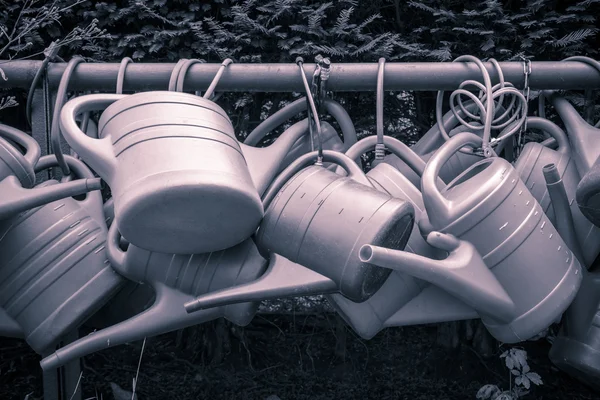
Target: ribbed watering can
[
  {"x": 530, "y": 166},
  {"x": 175, "y": 279},
  {"x": 318, "y": 220},
  {"x": 398, "y": 295},
  {"x": 489, "y": 206},
  {"x": 181, "y": 181},
  {"x": 54, "y": 272},
  {"x": 17, "y": 176}
]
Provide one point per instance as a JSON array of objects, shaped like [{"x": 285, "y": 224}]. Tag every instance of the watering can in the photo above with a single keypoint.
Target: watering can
[
  {"x": 530, "y": 167},
  {"x": 175, "y": 278},
  {"x": 204, "y": 199},
  {"x": 576, "y": 349},
  {"x": 399, "y": 290},
  {"x": 489, "y": 206},
  {"x": 583, "y": 136},
  {"x": 17, "y": 176},
  {"x": 329, "y": 137},
  {"x": 54, "y": 273},
  {"x": 317, "y": 220}
]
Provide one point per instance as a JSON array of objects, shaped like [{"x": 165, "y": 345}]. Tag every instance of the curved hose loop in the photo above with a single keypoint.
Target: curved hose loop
[
  {"x": 313, "y": 109},
  {"x": 215, "y": 81},
  {"x": 175, "y": 75},
  {"x": 121, "y": 74},
  {"x": 60, "y": 101},
  {"x": 484, "y": 116},
  {"x": 380, "y": 146},
  {"x": 185, "y": 66}
]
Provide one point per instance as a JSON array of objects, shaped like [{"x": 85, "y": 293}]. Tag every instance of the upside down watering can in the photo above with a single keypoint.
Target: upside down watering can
[
  {"x": 530, "y": 166},
  {"x": 175, "y": 278},
  {"x": 317, "y": 220},
  {"x": 54, "y": 273},
  {"x": 369, "y": 317},
  {"x": 17, "y": 176},
  {"x": 181, "y": 181},
  {"x": 489, "y": 206}
]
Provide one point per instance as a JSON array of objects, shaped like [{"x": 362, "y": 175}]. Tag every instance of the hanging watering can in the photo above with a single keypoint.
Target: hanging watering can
[
  {"x": 530, "y": 165},
  {"x": 206, "y": 198},
  {"x": 317, "y": 220},
  {"x": 12, "y": 161},
  {"x": 329, "y": 137},
  {"x": 369, "y": 317},
  {"x": 175, "y": 280},
  {"x": 582, "y": 136},
  {"x": 54, "y": 272},
  {"x": 17, "y": 176},
  {"x": 489, "y": 206}
]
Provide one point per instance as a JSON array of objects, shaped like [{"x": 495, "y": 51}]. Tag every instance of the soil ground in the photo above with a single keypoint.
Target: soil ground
[{"x": 291, "y": 357}]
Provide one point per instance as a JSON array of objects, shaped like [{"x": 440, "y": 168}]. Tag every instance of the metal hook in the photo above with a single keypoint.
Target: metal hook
[
  {"x": 526, "y": 91},
  {"x": 312, "y": 107}
]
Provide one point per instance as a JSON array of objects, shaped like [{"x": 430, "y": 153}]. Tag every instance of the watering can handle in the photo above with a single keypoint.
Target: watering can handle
[
  {"x": 98, "y": 153},
  {"x": 32, "y": 148},
  {"x": 436, "y": 204},
  {"x": 353, "y": 170},
  {"x": 115, "y": 255},
  {"x": 93, "y": 200},
  {"x": 553, "y": 130}
]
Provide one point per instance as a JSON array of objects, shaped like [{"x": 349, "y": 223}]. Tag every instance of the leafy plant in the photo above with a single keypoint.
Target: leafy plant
[{"x": 515, "y": 361}]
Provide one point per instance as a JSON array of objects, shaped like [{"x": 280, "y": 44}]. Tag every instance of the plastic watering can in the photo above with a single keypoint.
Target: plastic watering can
[
  {"x": 489, "y": 206},
  {"x": 588, "y": 194},
  {"x": 583, "y": 136},
  {"x": 204, "y": 199},
  {"x": 54, "y": 273},
  {"x": 530, "y": 166},
  {"x": 329, "y": 137},
  {"x": 369, "y": 317},
  {"x": 175, "y": 279},
  {"x": 576, "y": 349},
  {"x": 17, "y": 176},
  {"x": 318, "y": 220}
]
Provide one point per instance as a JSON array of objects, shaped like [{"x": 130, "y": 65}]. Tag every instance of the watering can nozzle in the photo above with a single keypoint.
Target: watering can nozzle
[{"x": 283, "y": 278}]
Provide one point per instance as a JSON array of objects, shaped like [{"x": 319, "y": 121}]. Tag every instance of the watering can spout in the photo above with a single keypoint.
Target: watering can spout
[
  {"x": 463, "y": 273},
  {"x": 283, "y": 278},
  {"x": 16, "y": 199}
]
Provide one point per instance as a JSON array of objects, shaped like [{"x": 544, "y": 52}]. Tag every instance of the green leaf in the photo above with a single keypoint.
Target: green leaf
[
  {"x": 487, "y": 392},
  {"x": 535, "y": 378}
]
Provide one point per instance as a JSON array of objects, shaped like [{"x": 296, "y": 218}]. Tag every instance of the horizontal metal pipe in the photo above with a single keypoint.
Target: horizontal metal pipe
[{"x": 549, "y": 75}]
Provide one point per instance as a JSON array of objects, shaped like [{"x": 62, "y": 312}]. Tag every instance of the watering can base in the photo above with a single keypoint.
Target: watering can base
[
  {"x": 577, "y": 359},
  {"x": 543, "y": 314},
  {"x": 174, "y": 221}
]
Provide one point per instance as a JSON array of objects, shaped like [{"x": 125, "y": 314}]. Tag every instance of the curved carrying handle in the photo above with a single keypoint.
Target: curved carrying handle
[
  {"x": 93, "y": 200},
  {"x": 436, "y": 204},
  {"x": 115, "y": 255},
  {"x": 32, "y": 148},
  {"x": 353, "y": 170},
  {"x": 98, "y": 153},
  {"x": 553, "y": 130}
]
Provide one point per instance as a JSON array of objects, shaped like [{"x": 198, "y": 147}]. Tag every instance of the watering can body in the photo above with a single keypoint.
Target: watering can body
[
  {"x": 54, "y": 272},
  {"x": 369, "y": 317},
  {"x": 318, "y": 219},
  {"x": 177, "y": 173},
  {"x": 489, "y": 206},
  {"x": 576, "y": 349},
  {"x": 175, "y": 279},
  {"x": 530, "y": 164}
]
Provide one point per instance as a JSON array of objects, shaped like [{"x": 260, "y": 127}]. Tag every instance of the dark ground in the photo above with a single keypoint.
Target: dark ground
[{"x": 292, "y": 357}]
